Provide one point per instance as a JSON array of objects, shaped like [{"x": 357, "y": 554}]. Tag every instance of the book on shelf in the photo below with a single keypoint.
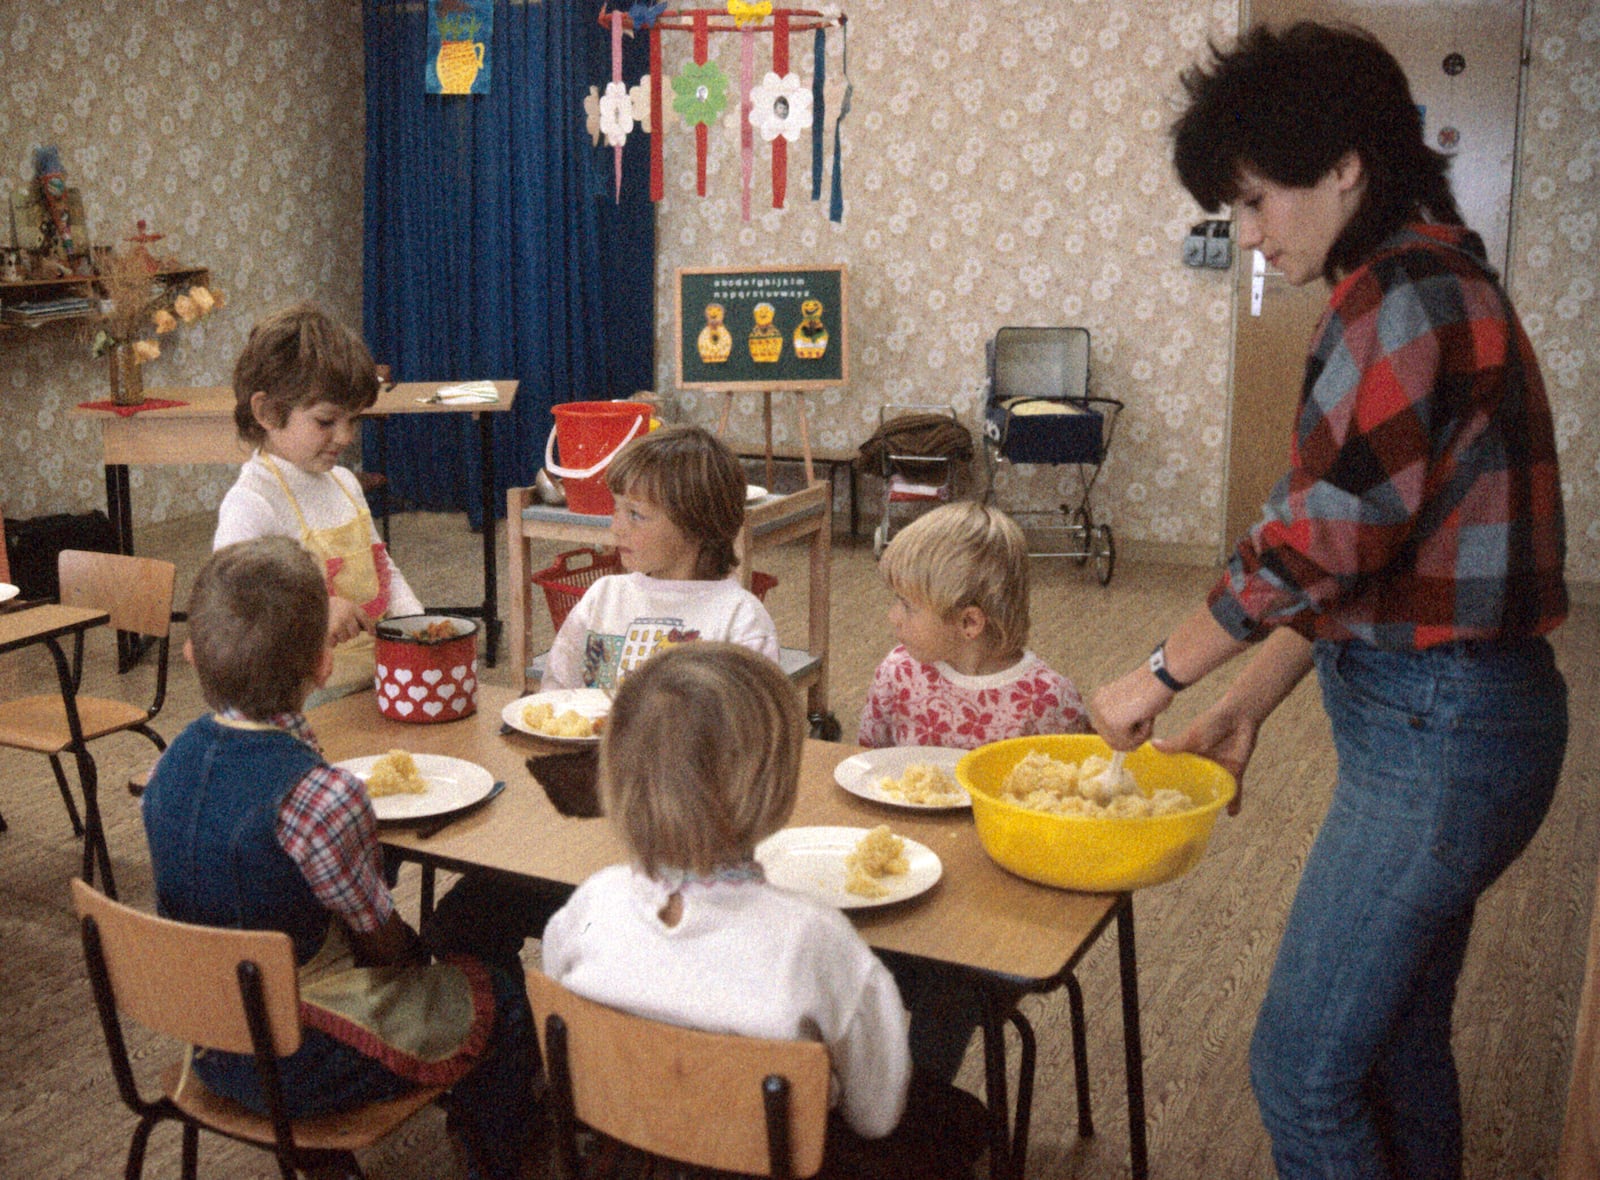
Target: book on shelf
[{"x": 42, "y": 311}]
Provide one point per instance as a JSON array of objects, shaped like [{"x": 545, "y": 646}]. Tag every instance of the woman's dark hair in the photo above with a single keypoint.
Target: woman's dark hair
[{"x": 1290, "y": 105}]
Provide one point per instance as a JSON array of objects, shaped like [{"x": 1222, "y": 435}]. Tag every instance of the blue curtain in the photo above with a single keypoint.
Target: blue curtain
[{"x": 492, "y": 248}]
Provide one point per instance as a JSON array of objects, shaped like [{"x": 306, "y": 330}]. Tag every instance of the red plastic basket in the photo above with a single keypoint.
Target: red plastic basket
[{"x": 575, "y": 571}]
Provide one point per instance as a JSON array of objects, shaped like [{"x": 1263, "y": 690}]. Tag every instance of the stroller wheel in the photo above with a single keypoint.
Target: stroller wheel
[
  {"x": 1082, "y": 534},
  {"x": 1105, "y": 554},
  {"x": 825, "y": 727}
]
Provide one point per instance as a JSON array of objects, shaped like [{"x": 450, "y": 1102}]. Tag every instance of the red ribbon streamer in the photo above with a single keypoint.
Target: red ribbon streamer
[
  {"x": 658, "y": 125},
  {"x": 780, "y": 67},
  {"x": 701, "y": 45}
]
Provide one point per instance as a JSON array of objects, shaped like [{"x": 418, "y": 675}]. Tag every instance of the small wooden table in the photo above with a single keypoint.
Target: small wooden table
[
  {"x": 202, "y": 431},
  {"x": 1008, "y": 934},
  {"x": 49, "y": 624}
]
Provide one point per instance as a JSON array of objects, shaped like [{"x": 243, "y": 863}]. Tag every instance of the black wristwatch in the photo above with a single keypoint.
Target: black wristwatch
[{"x": 1158, "y": 668}]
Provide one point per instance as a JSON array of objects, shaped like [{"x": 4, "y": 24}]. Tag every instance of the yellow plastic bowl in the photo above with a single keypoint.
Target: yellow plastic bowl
[{"x": 1090, "y": 853}]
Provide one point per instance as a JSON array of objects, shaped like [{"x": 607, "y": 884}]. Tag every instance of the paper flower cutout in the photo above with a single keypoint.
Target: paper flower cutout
[
  {"x": 700, "y": 92},
  {"x": 640, "y": 97},
  {"x": 780, "y": 106},
  {"x": 591, "y": 114},
  {"x": 616, "y": 114}
]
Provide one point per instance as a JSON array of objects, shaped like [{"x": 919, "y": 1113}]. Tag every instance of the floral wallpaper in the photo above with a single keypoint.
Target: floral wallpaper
[
  {"x": 235, "y": 128},
  {"x": 1007, "y": 163}
]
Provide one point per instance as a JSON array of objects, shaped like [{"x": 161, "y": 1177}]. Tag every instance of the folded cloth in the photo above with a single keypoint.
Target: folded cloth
[{"x": 466, "y": 391}]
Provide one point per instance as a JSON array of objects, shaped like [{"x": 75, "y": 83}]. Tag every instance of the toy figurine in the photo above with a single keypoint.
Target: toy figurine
[{"x": 52, "y": 181}]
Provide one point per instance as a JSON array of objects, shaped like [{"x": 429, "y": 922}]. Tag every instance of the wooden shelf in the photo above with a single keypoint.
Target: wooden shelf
[{"x": 86, "y": 285}]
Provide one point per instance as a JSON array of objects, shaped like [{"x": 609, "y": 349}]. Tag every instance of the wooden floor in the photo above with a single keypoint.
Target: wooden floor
[{"x": 1205, "y": 942}]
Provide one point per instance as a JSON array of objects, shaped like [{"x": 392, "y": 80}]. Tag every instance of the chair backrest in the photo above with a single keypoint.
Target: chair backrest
[
  {"x": 182, "y": 980},
  {"x": 5, "y": 555},
  {"x": 1039, "y": 362},
  {"x": 691, "y": 1096},
  {"x": 136, "y": 591}
]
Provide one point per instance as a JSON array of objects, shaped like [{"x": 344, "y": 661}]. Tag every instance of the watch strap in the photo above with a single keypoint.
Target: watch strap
[{"x": 1158, "y": 669}]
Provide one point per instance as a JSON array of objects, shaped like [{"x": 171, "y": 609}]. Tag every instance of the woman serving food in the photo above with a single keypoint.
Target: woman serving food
[{"x": 1413, "y": 554}]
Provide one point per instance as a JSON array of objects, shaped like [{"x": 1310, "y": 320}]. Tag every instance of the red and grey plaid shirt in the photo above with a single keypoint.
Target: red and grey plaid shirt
[
  {"x": 1422, "y": 504},
  {"x": 327, "y": 826}
]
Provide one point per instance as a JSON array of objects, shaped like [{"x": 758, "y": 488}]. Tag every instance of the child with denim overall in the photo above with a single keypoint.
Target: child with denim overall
[{"x": 250, "y": 828}]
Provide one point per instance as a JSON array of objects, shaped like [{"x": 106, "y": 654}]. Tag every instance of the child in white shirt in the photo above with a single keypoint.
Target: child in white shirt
[
  {"x": 690, "y": 932},
  {"x": 299, "y": 385},
  {"x": 961, "y": 675},
  {"x": 680, "y": 495}
]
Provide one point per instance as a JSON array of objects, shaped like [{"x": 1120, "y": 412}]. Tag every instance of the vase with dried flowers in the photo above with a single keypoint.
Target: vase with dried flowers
[{"x": 136, "y": 307}]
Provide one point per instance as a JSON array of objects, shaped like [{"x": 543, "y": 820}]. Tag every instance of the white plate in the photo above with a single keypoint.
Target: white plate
[
  {"x": 8, "y": 592},
  {"x": 811, "y": 861},
  {"x": 859, "y": 773},
  {"x": 453, "y": 783},
  {"x": 754, "y": 492},
  {"x": 590, "y": 702}
]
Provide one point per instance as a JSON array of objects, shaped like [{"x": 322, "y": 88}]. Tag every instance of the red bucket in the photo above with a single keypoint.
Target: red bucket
[
  {"x": 591, "y": 433},
  {"x": 427, "y": 668}
]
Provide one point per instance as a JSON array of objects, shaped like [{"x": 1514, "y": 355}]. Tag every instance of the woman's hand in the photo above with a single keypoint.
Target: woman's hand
[
  {"x": 1124, "y": 712},
  {"x": 1224, "y": 735},
  {"x": 346, "y": 620}
]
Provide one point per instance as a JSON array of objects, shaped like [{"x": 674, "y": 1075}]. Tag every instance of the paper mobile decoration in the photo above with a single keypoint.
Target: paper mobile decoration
[{"x": 780, "y": 107}]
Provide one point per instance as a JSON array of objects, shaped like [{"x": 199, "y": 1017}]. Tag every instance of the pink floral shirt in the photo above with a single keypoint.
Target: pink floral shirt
[{"x": 917, "y": 704}]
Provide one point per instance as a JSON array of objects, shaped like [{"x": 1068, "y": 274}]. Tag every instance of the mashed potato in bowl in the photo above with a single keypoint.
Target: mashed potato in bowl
[{"x": 1041, "y": 782}]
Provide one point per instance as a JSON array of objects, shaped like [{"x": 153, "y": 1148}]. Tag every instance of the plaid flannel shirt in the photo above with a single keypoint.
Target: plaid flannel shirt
[
  {"x": 1422, "y": 504},
  {"x": 327, "y": 827}
]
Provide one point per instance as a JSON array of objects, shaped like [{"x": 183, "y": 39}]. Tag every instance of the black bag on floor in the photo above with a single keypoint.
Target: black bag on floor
[{"x": 32, "y": 547}]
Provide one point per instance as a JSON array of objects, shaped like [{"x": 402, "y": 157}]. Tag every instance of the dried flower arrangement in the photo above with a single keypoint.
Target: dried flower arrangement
[{"x": 137, "y": 306}]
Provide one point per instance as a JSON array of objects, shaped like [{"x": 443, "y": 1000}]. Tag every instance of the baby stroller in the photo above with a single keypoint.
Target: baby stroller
[
  {"x": 1038, "y": 410},
  {"x": 919, "y": 451}
]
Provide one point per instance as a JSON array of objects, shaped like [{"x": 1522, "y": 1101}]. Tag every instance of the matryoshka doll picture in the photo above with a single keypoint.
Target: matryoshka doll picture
[
  {"x": 810, "y": 334},
  {"x": 715, "y": 342},
  {"x": 766, "y": 342}
]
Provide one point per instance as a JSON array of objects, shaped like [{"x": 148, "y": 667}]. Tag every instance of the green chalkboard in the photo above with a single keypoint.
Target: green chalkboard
[{"x": 780, "y": 327}]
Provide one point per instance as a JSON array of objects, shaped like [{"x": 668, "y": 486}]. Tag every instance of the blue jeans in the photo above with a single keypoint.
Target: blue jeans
[{"x": 1448, "y": 759}]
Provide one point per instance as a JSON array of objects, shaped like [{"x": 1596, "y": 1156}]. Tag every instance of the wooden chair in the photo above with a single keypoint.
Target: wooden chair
[
  {"x": 736, "y": 1104},
  {"x": 233, "y": 990},
  {"x": 137, "y": 593}
]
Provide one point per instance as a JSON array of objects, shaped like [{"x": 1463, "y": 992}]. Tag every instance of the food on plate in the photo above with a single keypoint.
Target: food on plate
[
  {"x": 542, "y": 717},
  {"x": 925, "y": 784},
  {"x": 1042, "y": 783},
  {"x": 395, "y": 773},
  {"x": 880, "y": 853}
]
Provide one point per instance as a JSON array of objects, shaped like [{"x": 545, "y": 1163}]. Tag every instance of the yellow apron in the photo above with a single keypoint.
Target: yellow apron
[{"x": 355, "y": 567}]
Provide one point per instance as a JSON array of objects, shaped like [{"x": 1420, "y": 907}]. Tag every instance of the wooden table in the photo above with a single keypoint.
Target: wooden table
[
  {"x": 202, "y": 431},
  {"x": 49, "y": 624},
  {"x": 1009, "y": 934}
]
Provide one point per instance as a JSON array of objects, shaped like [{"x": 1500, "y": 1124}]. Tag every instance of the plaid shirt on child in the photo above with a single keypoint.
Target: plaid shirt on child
[
  {"x": 327, "y": 827},
  {"x": 1422, "y": 504}
]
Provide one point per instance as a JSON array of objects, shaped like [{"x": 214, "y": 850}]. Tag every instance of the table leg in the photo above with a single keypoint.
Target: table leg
[
  {"x": 994, "y": 1086},
  {"x": 491, "y": 583},
  {"x": 1133, "y": 1048},
  {"x": 119, "y": 506}
]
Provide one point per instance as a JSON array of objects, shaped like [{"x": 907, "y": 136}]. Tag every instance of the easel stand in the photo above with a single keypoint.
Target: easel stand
[{"x": 766, "y": 423}]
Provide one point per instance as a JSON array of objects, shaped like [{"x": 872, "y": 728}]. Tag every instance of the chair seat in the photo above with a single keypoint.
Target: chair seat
[
  {"x": 349, "y": 1130},
  {"x": 40, "y": 723}
]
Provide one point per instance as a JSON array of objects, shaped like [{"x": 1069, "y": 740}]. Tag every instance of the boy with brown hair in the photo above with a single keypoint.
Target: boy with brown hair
[{"x": 250, "y": 828}]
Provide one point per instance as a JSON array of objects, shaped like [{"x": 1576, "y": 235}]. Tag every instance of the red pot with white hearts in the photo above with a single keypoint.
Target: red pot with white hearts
[{"x": 427, "y": 668}]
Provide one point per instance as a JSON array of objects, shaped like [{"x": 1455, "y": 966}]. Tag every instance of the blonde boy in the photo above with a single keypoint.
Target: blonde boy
[{"x": 962, "y": 675}]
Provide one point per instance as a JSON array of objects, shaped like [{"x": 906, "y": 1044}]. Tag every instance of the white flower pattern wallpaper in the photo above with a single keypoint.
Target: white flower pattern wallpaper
[
  {"x": 1005, "y": 162},
  {"x": 234, "y": 127}
]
